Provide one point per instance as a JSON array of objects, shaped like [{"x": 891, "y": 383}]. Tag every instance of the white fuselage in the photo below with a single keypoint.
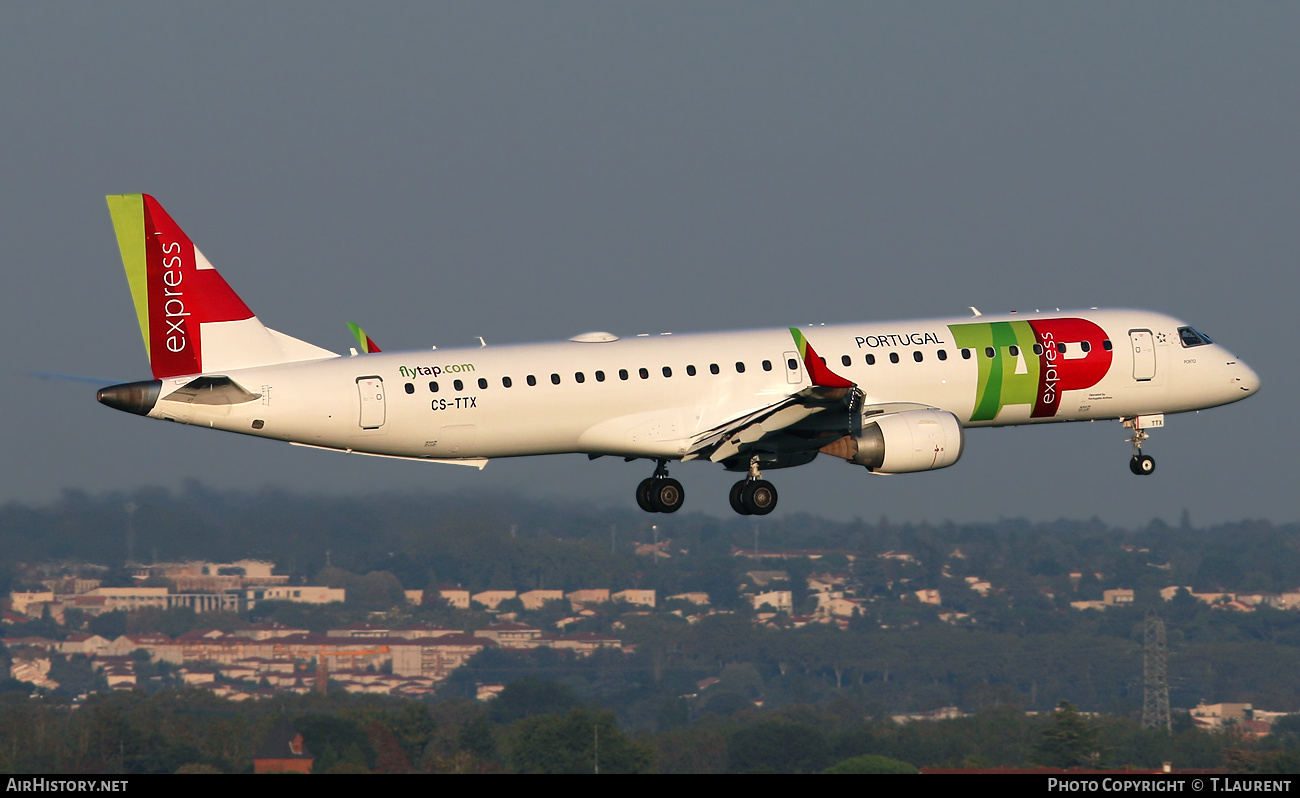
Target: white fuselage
[{"x": 638, "y": 397}]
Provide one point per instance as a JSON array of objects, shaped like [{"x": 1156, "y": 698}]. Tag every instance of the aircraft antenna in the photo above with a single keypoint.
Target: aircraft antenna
[{"x": 975, "y": 311}]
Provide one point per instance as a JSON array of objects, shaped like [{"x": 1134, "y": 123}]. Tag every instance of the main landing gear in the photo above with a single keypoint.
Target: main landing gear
[
  {"x": 753, "y": 495},
  {"x": 660, "y": 493},
  {"x": 1140, "y": 464}
]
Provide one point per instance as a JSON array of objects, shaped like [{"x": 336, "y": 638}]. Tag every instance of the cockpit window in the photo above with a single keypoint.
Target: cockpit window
[{"x": 1192, "y": 337}]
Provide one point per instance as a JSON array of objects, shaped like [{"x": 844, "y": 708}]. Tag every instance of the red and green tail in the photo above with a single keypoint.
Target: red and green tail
[{"x": 191, "y": 320}]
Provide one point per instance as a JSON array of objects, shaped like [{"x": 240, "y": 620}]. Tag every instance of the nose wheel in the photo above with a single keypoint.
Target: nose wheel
[
  {"x": 753, "y": 495},
  {"x": 660, "y": 493},
  {"x": 1141, "y": 464}
]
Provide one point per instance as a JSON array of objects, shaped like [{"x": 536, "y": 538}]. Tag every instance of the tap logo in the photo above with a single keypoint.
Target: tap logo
[{"x": 1050, "y": 356}]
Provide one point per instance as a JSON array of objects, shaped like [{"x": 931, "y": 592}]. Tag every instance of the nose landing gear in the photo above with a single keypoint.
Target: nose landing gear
[
  {"x": 660, "y": 493},
  {"x": 1142, "y": 464}
]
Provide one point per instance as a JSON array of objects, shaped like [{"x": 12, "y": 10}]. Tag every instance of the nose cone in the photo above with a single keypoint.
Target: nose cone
[
  {"x": 131, "y": 397},
  {"x": 1245, "y": 379}
]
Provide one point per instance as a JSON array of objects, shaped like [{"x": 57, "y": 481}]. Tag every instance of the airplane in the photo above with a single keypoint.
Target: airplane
[{"x": 893, "y": 397}]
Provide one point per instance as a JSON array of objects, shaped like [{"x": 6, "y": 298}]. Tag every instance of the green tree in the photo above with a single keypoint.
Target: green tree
[
  {"x": 1071, "y": 740},
  {"x": 869, "y": 764},
  {"x": 580, "y": 742},
  {"x": 531, "y": 696},
  {"x": 777, "y": 746},
  {"x": 109, "y": 625}
]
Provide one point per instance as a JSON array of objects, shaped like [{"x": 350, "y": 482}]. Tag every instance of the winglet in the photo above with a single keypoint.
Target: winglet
[
  {"x": 368, "y": 346},
  {"x": 820, "y": 373}
]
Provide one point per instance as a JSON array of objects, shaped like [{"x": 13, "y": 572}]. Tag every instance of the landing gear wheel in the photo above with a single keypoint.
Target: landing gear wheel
[
  {"x": 666, "y": 495},
  {"x": 1142, "y": 464},
  {"x": 736, "y": 503},
  {"x": 645, "y": 495},
  {"x": 759, "y": 497}
]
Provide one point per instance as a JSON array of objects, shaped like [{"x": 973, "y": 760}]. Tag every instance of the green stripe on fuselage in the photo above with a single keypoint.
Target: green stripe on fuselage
[
  {"x": 999, "y": 384},
  {"x": 127, "y": 211}
]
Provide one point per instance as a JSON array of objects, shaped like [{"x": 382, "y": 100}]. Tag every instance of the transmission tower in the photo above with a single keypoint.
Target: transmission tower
[{"x": 1155, "y": 668}]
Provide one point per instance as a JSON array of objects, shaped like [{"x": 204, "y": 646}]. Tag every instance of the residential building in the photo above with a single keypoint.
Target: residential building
[
  {"x": 642, "y": 598},
  {"x": 535, "y": 599},
  {"x": 493, "y": 598}
]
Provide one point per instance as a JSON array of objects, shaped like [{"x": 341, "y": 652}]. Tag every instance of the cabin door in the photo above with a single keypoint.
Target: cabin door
[
  {"x": 371, "y": 392},
  {"x": 1144, "y": 355}
]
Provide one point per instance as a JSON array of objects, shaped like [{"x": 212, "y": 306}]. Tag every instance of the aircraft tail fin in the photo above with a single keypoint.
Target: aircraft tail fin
[
  {"x": 191, "y": 320},
  {"x": 367, "y": 346}
]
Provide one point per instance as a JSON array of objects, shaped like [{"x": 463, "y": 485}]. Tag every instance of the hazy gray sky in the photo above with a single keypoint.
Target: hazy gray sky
[{"x": 528, "y": 171}]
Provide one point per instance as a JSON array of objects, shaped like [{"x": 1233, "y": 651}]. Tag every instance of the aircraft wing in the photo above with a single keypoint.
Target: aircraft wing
[
  {"x": 760, "y": 428},
  {"x": 734, "y": 435}
]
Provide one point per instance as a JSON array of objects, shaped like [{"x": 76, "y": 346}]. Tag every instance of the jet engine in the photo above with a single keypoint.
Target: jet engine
[{"x": 913, "y": 440}]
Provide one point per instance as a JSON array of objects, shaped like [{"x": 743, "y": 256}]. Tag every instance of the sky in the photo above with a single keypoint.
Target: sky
[{"x": 528, "y": 171}]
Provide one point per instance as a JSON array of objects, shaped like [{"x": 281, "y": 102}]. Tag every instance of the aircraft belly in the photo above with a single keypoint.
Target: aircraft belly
[{"x": 652, "y": 434}]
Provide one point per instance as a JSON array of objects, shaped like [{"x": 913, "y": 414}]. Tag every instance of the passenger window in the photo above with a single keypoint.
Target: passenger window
[
  {"x": 578, "y": 376},
  {"x": 410, "y": 387},
  {"x": 458, "y": 385},
  {"x": 871, "y": 360},
  {"x": 1060, "y": 347},
  {"x": 482, "y": 383},
  {"x": 668, "y": 372},
  {"x": 690, "y": 371},
  {"x": 917, "y": 356},
  {"x": 433, "y": 387},
  {"x": 792, "y": 364},
  {"x": 713, "y": 368},
  {"x": 990, "y": 352},
  {"x": 740, "y": 367},
  {"x": 645, "y": 374},
  {"x": 943, "y": 354},
  {"x": 1085, "y": 346},
  {"x": 555, "y": 379},
  {"x": 622, "y": 374},
  {"x": 893, "y": 357},
  {"x": 965, "y": 354},
  {"x": 1038, "y": 349},
  {"x": 767, "y": 365},
  {"x": 846, "y": 360},
  {"x": 600, "y": 376},
  {"x": 1106, "y": 344},
  {"x": 532, "y": 380},
  {"x": 506, "y": 382},
  {"x": 1014, "y": 350}
]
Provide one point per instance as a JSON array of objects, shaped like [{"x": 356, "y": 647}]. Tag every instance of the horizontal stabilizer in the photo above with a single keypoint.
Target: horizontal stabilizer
[{"x": 216, "y": 390}]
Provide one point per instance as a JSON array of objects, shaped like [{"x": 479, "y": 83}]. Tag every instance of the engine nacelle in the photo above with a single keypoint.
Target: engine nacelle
[{"x": 913, "y": 440}]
